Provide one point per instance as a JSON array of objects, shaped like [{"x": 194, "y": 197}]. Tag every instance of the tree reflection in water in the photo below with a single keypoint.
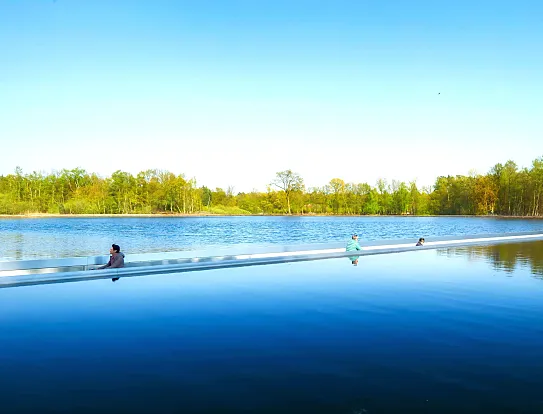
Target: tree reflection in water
[{"x": 504, "y": 257}]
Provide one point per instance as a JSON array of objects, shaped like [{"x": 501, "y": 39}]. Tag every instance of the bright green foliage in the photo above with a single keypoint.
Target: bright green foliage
[
  {"x": 288, "y": 182},
  {"x": 505, "y": 190}
]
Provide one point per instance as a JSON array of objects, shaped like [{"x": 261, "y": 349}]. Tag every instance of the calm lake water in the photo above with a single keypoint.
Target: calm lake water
[
  {"x": 446, "y": 331},
  {"x": 67, "y": 237}
]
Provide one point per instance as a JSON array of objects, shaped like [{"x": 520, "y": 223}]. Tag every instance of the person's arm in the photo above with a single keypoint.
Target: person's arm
[{"x": 108, "y": 264}]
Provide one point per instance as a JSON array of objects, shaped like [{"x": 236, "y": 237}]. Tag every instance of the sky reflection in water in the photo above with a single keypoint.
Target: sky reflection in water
[{"x": 426, "y": 331}]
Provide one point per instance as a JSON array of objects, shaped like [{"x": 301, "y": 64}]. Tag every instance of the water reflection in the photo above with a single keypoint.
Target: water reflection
[
  {"x": 353, "y": 260},
  {"x": 419, "y": 333},
  {"x": 18, "y": 243},
  {"x": 12, "y": 246},
  {"x": 503, "y": 257}
]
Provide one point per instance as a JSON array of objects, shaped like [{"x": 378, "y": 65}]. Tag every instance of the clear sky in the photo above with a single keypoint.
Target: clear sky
[{"x": 231, "y": 92}]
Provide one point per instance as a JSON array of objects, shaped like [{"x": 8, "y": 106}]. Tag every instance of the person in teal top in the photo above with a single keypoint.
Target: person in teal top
[{"x": 353, "y": 246}]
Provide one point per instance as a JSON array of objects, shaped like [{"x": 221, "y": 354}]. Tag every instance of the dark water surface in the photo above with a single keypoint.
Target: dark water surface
[
  {"x": 67, "y": 237},
  {"x": 447, "y": 331}
]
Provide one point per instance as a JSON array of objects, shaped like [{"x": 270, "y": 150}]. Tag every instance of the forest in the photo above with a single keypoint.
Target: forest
[{"x": 505, "y": 190}]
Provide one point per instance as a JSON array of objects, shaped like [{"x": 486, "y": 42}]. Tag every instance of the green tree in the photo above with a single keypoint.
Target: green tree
[{"x": 288, "y": 182}]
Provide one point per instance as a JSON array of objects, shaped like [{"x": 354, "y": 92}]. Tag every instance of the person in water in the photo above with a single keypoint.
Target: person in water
[
  {"x": 116, "y": 259},
  {"x": 420, "y": 242},
  {"x": 353, "y": 246}
]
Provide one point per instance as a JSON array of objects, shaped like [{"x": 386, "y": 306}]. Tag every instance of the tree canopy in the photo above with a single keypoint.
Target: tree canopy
[{"x": 504, "y": 190}]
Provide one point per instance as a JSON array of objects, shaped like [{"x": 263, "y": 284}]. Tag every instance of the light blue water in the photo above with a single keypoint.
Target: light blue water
[
  {"x": 456, "y": 331},
  {"x": 66, "y": 237}
]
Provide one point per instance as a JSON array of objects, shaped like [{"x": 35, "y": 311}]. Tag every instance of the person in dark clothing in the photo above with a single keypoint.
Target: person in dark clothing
[
  {"x": 420, "y": 242},
  {"x": 116, "y": 260}
]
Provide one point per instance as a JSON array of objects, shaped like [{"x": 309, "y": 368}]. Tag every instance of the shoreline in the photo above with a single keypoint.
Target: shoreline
[{"x": 204, "y": 214}]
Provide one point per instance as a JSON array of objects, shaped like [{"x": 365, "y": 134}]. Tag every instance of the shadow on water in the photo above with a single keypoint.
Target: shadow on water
[{"x": 504, "y": 257}]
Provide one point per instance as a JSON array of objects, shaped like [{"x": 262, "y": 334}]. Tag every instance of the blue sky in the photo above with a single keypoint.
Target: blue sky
[{"x": 233, "y": 91}]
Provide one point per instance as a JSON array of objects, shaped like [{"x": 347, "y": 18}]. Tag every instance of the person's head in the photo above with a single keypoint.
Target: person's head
[
  {"x": 115, "y": 248},
  {"x": 355, "y": 237},
  {"x": 421, "y": 240},
  {"x": 355, "y": 262}
]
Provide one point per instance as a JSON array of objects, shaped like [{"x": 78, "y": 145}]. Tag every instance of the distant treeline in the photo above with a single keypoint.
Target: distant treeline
[{"x": 504, "y": 190}]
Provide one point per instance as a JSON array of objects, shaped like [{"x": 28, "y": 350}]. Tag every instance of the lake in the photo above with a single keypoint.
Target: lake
[
  {"x": 435, "y": 331},
  {"x": 22, "y": 238}
]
